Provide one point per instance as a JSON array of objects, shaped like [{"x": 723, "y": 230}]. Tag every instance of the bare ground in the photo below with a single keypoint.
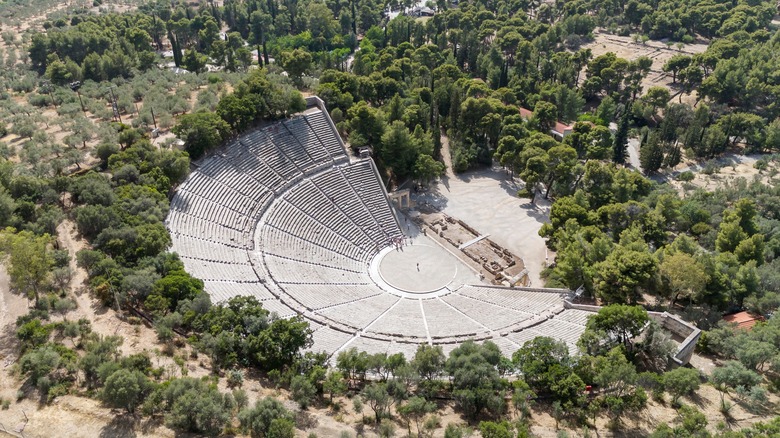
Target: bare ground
[
  {"x": 658, "y": 51},
  {"x": 729, "y": 168}
]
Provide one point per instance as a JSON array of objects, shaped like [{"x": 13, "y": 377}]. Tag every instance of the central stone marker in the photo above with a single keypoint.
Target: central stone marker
[{"x": 418, "y": 268}]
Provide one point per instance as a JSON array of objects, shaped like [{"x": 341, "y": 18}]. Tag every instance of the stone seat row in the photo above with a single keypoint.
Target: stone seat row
[
  {"x": 278, "y": 238},
  {"x": 361, "y": 175},
  {"x": 292, "y": 219},
  {"x": 292, "y": 271},
  {"x": 198, "y": 206},
  {"x": 220, "y": 271},
  {"x": 188, "y": 246},
  {"x": 360, "y": 313},
  {"x": 302, "y": 132},
  {"x": 338, "y": 188},
  {"x": 223, "y": 290},
  {"x": 181, "y": 223},
  {"x": 516, "y": 299},
  {"x": 223, "y": 168},
  {"x": 308, "y": 198},
  {"x": 323, "y": 131},
  {"x": 491, "y": 315},
  {"x": 315, "y": 297}
]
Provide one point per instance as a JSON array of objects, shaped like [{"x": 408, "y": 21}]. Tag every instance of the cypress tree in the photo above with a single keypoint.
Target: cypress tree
[
  {"x": 621, "y": 138},
  {"x": 651, "y": 155}
]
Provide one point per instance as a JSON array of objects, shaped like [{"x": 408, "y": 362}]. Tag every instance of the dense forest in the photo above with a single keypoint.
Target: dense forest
[{"x": 400, "y": 85}]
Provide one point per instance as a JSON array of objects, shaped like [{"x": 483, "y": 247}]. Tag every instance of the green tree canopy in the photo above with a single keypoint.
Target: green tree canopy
[{"x": 201, "y": 132}]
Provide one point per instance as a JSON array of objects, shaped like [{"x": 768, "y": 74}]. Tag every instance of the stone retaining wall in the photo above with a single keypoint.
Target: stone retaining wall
[{"x": 672, "y": 323}]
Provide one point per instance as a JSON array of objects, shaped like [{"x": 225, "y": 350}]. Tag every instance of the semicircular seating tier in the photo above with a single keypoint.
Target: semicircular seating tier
[{"x": 281, "y": 213}]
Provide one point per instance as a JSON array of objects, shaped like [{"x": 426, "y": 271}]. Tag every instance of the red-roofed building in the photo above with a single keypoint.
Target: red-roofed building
[
  {"x": 743, "y": 320},
  {"x": 559, "y": 131}
]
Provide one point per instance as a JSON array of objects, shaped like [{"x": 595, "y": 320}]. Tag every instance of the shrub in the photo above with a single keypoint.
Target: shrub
[
  {"x": 680, "y": 382},
  {"x": 125, "y": 389},
  {"x": 711, "y": 167},
  {"x": 762, "y": 164},
  {"x": 235, "y": 378},
  {"x": 303, "y": 391},
  {"x": 686, "y": 176}
]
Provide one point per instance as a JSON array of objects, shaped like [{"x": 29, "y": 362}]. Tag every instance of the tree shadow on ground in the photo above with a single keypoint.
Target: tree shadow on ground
[
  {"x": 535, "y": 211},
  {"x": 148, "y": 425},
  {"x": 494, "y": 173},
  {"x": 431, "y": 198},
  {"x": 360, "y": 429},
  {"x": 9, "y": 345},
  {"x": 97, "y": 307},
  {"x": 305, "y": 420},
  {"x": 512, "y": 186},
  {"x": 121, "y": 426},
  {"x": 766, "y": 409},
  {"x": 445, "y": 181},
  {"x": 697, "y": 400}
]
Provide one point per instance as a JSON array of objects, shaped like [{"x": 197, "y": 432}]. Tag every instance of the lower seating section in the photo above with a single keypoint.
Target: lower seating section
[
  {"x": 329, "y": 340},
  {"x": 371, "y": 346},
  {"x": 523, "y": 336},
  {"x": 574, "y": 316},
  {"x": 279, "y": 308},
  {"x": 317, "y": 296},
  {"x": 404, "y": 319},
  {"x": 184, "y": 224},
  {"x": 361, "y": 176},
  {"x": 283, "y": 243},
  {"x": 211, "y": 210},
  {"x": 336, "y": 186},
  {"x": 507, "y": 346},
  {"x": 309, "y": 199},
  {"x": 443, "y": 321},
  {"x": 490, "y": 315},
  {"x": 447, "y": 348},
  {"x": 360, "y": 313},
  {"x": 517, "y": 299},
  {"x": 565, "y": 331},
  {"x": 224, "y": 290},
  {"x": 240, "y": 273},
  {"x": 566, "y": 326},
  {"x": 291, "y": 271},
  {"x": 292, "y": 220},
  {"x": 196, "y": 248}
]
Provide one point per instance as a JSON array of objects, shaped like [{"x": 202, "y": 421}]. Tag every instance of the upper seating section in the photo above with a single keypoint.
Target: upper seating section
[
  {"x": 362, "y": 177},
  {"x": 234, "y": 187},
  {"x": 320, "y": 128},
  {"x": 281, "y": 152}
]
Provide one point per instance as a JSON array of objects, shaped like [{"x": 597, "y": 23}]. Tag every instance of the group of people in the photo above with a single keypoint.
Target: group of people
[{"x": 398, "y": 243}]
